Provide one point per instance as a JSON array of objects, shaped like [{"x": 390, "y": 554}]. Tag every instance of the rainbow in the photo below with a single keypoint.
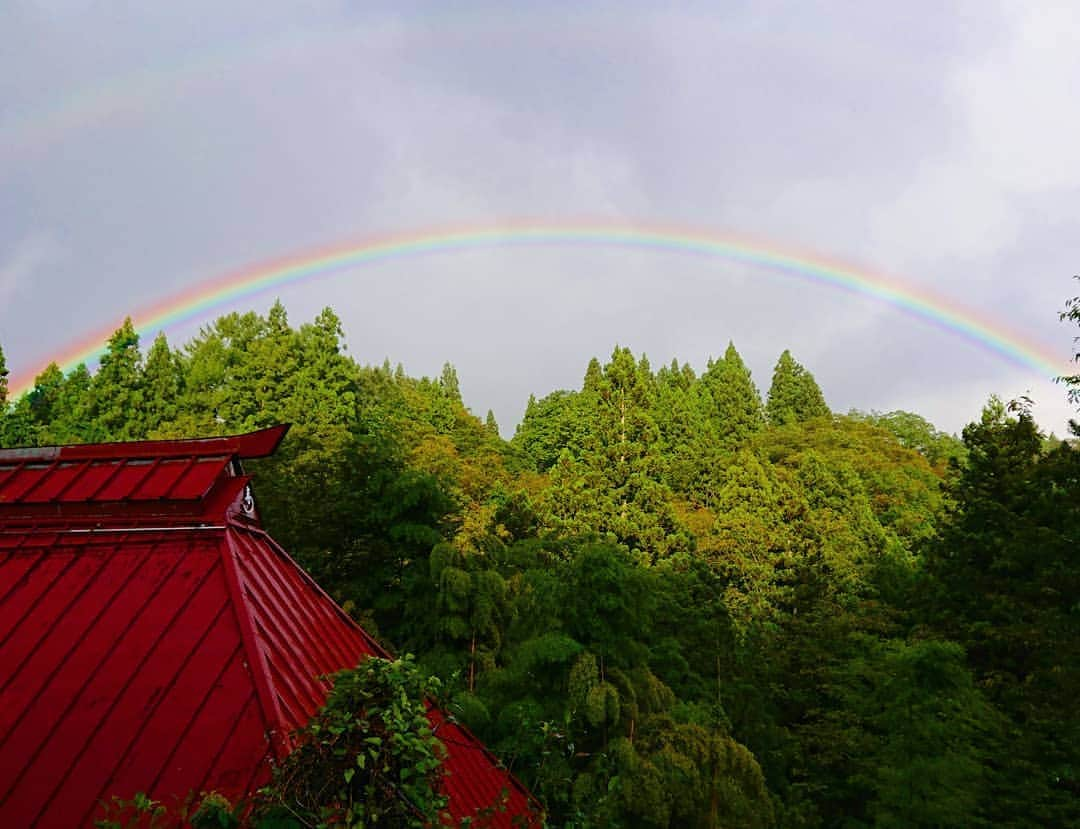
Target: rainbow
[{"x": 217, "y": 294}]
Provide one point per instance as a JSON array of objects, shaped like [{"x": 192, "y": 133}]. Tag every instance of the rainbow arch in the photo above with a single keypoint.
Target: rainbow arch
[{"x": 224, "y": 291}]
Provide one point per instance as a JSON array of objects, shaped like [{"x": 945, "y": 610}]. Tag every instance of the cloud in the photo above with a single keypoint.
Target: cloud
[
  {"x": 1019, "y": 97},
  {"x": 19, "y": 265},
  {"x": 920, "y": 146}
]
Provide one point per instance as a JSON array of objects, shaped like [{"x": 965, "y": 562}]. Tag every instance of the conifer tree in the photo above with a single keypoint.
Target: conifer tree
[
  {"x": 71, "y": 420},
  {"x": 116, "y": 396},
  {"x": 737, "y": 410},
  {"x": 162, "y": 383},
  {"x": 794, "y": 395},
  {"x": 621, "y": 464},
  {"x": 681, "y": 413},
  {"x": 449, "y": 382},
  {"x": 45, "y": 395},
  {"x": 593, "y": 375}
]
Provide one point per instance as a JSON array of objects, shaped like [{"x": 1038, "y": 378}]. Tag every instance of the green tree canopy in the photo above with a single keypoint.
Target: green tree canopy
[{"x": 794, "y": 395}]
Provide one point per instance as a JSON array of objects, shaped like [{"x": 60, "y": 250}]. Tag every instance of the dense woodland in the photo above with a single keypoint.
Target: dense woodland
[{"x": 667, "y": 601}]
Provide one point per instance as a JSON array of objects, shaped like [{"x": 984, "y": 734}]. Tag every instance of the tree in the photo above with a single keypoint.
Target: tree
[
  {"x": 1002, "y": 581},
  {"x": 737, "y": 411},
  {"x": 116, "y": 391},
  {"x": 794, "y": 395},
  {"x": 162, "y": 381},
  {"x": 616, "y": 483}
]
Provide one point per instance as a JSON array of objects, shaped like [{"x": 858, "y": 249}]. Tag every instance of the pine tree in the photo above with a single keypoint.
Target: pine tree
[
  {"x": 449, "y": 382},
  {"x": 794, "y": 395},
  {"x": 593, "y": 375},
  {"x": 621, "y": 463},
  {"x": 681, "y": 414},
  {"x": 737, "y": 410},
  {"x": 116, "y": 396},
  {"x": 162, "y": 382},
  {"x": 1003, "y": 582},
  {"x": 45, "y": 395},
  {"x": 71, "y": 422}
]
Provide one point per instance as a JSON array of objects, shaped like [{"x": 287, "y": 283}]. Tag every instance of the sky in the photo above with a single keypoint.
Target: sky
[{"x": 147, "y": 148}]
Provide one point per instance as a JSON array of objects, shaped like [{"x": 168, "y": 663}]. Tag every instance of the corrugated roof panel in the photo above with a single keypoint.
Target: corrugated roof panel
[
  {"x": 139, "y": 704},
  {"x": 30, "y": 685},
  {"x": 162, "y": 479},
  {"x": 152, "y": 749},
  {"x": 78, "y": 670},
  {"x": 242, "y": 764},
  {"x": 90, "y": 482},
  {"x": 126, "y": 480},
  {"x": 7, "y": 471},
  {"x": 284, "y": 605},
  {"x": 228, "y": 716},
  {"x": 197, "y": 480},
  {"x": 54, "y": 483},
  {"x": 474, "y": 780},
  {"x": 17, "y": 485},
  {"x": 318, "y": 647}
]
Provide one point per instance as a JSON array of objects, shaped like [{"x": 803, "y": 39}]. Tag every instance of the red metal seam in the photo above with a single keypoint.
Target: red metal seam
[
  {"x": 74, "y": 479},
  {"x": 11, "y": 474},
  {"x": 90, "y": 676},
  {"x": 260, "y": 672},
  {"x": 82, "y": 637},
  {"x": 24, "y": 577},
  {"x": 271, "y": 642},
  {"x": 151, "y": 468},
  {"x": 183, "y": 474},
  {"x": 293, "y": 602},
  {"x": 119, "y": 762},
  {"x": 122, "y": 690},
  {"x": 4, "y": 640},
  {"x": 90, "y": 496},
  {"x": 195, "y": 715},
  {"x": 252, "y": 697},
  {"x": 376, "y": 648},
  {"x": 44, "y": 477}
]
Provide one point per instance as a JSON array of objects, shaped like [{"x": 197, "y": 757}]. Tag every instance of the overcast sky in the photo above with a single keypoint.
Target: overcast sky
[{"x": 145, "y": 150}]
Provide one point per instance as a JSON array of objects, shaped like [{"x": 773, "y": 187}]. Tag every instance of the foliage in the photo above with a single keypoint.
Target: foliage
[
  {"x": 368, "y": 758},
  {"x": 794, "y": 395},
  {"x": 663, "y": 602}
]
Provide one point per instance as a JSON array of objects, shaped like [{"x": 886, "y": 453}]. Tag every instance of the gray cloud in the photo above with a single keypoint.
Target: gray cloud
[{"x": 160, "y": 147}]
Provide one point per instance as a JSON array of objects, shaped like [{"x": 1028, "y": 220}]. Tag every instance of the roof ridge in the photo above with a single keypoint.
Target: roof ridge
[
  {"x": 257, "y": 444},
  {"x": 257, "y": 665}
]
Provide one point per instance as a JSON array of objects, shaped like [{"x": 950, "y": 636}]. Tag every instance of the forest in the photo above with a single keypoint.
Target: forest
[{"x": 672, "y": 598}]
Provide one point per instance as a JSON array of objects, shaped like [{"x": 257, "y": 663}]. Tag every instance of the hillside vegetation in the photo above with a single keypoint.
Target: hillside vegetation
[{"x": 667, "y": 601}]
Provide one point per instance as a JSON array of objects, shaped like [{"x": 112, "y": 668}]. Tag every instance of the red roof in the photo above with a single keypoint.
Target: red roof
[{"x": 154, "y": 638}]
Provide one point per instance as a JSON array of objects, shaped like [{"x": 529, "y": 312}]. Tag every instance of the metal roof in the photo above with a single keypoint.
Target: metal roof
[{"x": 154, "y": 638}]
